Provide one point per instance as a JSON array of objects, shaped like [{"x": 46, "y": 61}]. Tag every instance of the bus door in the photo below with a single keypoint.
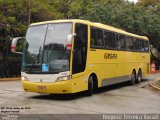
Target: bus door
[{"x": 80, "y": 48}]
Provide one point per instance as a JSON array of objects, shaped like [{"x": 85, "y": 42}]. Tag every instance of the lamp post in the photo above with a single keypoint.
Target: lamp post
[{"x": 29, "y": 11}]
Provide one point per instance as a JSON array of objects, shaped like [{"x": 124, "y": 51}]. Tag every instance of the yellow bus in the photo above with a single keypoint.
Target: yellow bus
[{"x": 69, "y": 56}]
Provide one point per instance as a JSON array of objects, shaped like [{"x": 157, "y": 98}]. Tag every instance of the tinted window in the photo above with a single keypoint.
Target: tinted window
[
  {"x": 112, "y": 40},
  {"x": 146, "y": 46},
  {"x": 96, "y": 38},
  {"x": 100, "y": 38},
  {"x": 93, "y": 37},
  {"x": 129, "y": 43},
  {"x": 120, "y": 43},
  {"x": 109, "y": 38},
  {"x": 141, "y": 45},
  {"x": 135, "y": 44}
]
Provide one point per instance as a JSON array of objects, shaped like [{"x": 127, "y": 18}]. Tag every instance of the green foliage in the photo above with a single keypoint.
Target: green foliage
[
  {"x": 135, "y": 18},
  {"x": 142, "y": 18}
]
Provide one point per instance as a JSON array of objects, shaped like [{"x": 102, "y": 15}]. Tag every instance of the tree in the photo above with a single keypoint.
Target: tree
[
  {"x": 142, "y": 18},
  {"x": 134, "y": 18},
  {"x": 148, "y": 3},
  {"x": 153, "y": 27}
]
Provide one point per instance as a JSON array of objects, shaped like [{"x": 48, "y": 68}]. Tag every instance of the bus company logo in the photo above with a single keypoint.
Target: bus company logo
[{"x": 110, "y": 56}]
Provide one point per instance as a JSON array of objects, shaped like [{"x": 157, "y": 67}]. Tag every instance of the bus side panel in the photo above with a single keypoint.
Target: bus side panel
[
  {"x": 80, "y": 81},
  {"x": 119, "y": 69},
  {"x": 146, "y": 64},
  {"x": 103, "y": 67}
]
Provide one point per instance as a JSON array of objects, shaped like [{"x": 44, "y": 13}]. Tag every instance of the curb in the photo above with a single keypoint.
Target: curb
[
  {"x": 10, "y": 79},
  {"x": 154, "y": 86}
]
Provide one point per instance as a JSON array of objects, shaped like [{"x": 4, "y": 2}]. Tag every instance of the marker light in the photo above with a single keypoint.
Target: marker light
[{"x": 69, "y": 46}]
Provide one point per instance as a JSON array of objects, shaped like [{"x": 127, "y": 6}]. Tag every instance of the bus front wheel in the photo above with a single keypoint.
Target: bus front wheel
[
  {"x": 90, "y": 86},
  {"x": 133, "y": 77}
]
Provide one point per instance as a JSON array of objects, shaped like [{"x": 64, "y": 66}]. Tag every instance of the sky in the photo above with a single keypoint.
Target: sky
[{"x": 133, "y": 1}]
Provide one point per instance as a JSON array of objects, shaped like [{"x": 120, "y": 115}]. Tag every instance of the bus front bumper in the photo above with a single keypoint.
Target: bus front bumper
[{"x": 49, "y": 88}]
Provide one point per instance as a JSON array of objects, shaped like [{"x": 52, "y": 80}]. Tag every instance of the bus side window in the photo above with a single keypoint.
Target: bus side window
[
  {"x": 129, "y": 43},
  {"x": 93, "y": 37},
  {"x": 110, "y": 40},
  {"x": 135, "y": 44},
  {"x": 100, "y": 42},
  {"x": 146, "y": 47},
  {"x": 141, "y": 45},
  {"x": 97, "y": 38},
  {"x": 113, "y": 40},
  {"x": 120, "y": 43},
  {"x": 106, "y": 39}
]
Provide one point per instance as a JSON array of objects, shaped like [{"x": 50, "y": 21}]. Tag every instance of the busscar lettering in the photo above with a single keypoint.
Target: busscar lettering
[{"x": 110, "y": 56}]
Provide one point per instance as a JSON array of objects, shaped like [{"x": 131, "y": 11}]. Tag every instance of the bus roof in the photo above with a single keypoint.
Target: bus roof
[{"x": 99, "y": 25}]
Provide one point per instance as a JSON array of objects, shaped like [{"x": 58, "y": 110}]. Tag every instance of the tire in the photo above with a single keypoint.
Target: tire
[
  {"x": 139, "y": 76},
  {"x": 90, "y": 86},
  {"x": 133, "y": 78}
]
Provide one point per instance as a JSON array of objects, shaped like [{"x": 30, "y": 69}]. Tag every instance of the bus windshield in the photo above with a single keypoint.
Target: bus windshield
[{"x": 46, "y": 46}]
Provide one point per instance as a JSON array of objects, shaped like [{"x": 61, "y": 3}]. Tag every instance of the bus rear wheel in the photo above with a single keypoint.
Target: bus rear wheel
[
  {"x": 139, "y": 76},
  {"x": 133, "y": 77},
  {"x": 90, "y": 86}
]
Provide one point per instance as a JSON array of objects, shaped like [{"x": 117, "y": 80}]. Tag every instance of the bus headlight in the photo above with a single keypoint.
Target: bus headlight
[
  {"x": 63, "y": 78},
  {"x": 24, "y": 78}
]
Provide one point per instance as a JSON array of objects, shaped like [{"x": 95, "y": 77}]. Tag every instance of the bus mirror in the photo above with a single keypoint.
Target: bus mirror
[
  {"x": 17, "y": 45},
  {"x": 69, "y": 41}
]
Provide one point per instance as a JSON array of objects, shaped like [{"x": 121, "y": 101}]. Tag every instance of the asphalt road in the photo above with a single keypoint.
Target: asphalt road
[{"x": 120, "y": 98}]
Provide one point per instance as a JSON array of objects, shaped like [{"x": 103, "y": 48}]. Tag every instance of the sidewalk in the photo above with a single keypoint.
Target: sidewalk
[{"x": 10, "y": 79}]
